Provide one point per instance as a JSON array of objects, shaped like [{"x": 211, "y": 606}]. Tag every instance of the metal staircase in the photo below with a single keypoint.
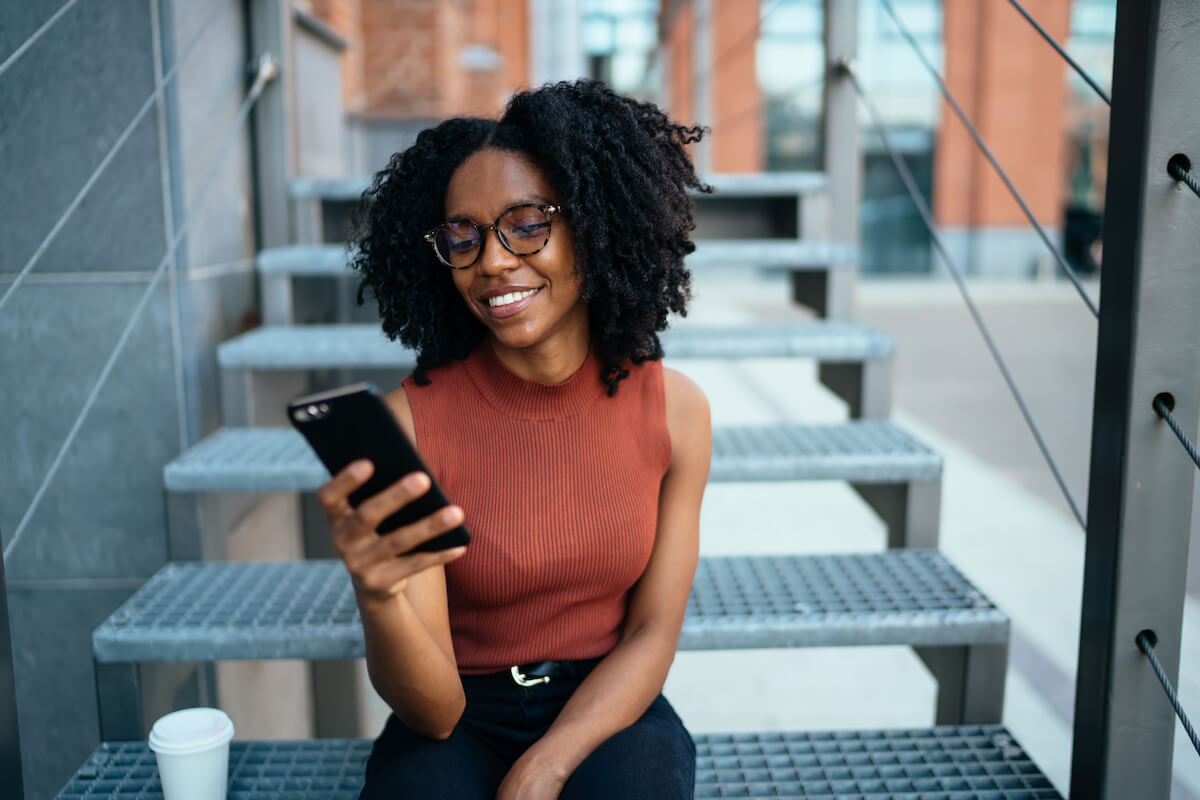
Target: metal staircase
[{"x": 909, "y": 595}]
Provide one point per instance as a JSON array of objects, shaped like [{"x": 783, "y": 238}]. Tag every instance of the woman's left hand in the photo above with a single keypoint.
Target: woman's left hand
[{"x": 530, "y": 780}]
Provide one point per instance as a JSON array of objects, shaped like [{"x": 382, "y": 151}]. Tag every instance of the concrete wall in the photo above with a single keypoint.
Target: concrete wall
[{"x": 99, "y": 530}]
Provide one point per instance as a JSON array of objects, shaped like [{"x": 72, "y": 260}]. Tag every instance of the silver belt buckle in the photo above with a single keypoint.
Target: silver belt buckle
[{"x": 520, "y": 679}]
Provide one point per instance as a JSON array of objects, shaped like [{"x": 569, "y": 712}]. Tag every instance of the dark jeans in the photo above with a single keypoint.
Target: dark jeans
[{"x": 654, "y": 758}]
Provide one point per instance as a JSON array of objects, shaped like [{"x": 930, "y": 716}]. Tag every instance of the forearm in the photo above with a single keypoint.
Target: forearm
[
  {"x": 408, "y": 668},
  {"x": 613, "y": 697}
]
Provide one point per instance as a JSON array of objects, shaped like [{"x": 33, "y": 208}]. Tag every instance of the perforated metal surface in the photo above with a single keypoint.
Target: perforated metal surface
[
  {"x": 329, "y": 769},
  {"x": 770, "y": 254},
  {"x": 315, "y": 260},
  {"x": 913, "y": 597},
  {"x": 332, "y": 346},
  {"x": 863, "y": 451},
  {"x": 946, "y": 763},
  {"x": 214, "y": 611}
]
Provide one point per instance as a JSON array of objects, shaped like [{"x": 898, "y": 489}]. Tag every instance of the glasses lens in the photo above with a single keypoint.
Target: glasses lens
[
  {"x": 526, "y": 229},
  {"x": 457, "y": 243}
]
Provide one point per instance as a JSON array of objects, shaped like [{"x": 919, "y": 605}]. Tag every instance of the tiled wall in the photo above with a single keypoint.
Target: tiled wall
[{"x": 99, "y": 529}]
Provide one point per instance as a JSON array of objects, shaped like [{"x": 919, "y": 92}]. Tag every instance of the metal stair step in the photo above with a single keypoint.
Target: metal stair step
[
  {"x": 292, "y": 347},
  {"x": 859, "y": 451},
  {"x": 330, "y": 260},
  {"x": 219, "y": 611},
  {"x": 748, "y": 184},
  {"x": 945, "y": 762}
]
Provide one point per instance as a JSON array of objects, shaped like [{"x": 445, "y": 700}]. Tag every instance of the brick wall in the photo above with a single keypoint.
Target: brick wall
[
  {"x": 430, "y": 58},
  {"x": 1013, "y": 86},
  {"x": 737, "y": 142}
]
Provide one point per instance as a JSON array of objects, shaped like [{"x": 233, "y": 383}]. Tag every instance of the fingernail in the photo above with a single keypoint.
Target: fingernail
[
  {"x": 456, "y": 552},
  {"x": 415, "y": 482},
  {"x": 452, "y": 514},
  {"x": 360, "y": 469}
]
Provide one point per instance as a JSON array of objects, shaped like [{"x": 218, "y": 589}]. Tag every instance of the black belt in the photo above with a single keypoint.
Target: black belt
[{"x": 541, "y": 672}]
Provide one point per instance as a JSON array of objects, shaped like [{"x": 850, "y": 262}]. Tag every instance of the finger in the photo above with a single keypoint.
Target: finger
[
  {"x": 392, "y": 499},
  {"x": 334, "y": 494},
  {"x": 396, "y": 570},
  {"x": 402, "y": 540}
]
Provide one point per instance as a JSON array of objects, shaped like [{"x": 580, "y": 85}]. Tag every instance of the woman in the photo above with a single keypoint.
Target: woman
[{"x": 531, "y": 262}]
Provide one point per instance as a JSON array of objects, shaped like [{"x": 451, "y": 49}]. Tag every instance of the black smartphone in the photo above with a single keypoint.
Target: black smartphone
[{"x": 352, "y": 422}]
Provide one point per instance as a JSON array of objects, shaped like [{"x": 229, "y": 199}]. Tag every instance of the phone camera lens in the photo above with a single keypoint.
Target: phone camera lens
[
  {"x": 313, "y": 411},
  {"x": 323, "y": 408}
]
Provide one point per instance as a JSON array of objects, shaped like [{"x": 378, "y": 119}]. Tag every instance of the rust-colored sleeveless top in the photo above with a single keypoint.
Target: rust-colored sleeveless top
[{"x": 560, "y": 487}]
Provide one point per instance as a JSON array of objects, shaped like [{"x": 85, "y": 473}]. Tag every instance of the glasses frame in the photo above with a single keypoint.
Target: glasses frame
[{"x": 548, "y": 210}]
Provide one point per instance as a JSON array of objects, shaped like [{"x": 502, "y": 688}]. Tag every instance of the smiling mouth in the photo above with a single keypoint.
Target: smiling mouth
[{"x": 510, "y": 298}]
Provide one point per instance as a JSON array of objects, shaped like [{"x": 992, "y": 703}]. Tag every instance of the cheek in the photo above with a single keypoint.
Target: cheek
[{"x": 461, "y": 284}]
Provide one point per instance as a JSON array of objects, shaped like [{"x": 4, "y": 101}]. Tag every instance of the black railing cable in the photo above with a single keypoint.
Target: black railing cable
[
  {"x": 956, "y": 273},
  {"x": 267, "y": 70},
  {"x": 1145, "y": 644},
  {"x": 1179, "y": 172},
  {"x": 33, "y": 37},
  {"x": 109, "y": 156},
  {"x": 987, "y": 151},
  {"x": 1162, "y": 408},
  {"x": 1066, "y": 56}
]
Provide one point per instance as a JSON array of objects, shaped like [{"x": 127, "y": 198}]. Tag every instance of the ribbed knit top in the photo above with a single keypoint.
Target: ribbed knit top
[{"x": 559, "y": 485}]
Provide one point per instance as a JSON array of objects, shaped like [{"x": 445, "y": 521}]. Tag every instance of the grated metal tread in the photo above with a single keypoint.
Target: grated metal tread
[
  {"x": 861, "y": 451},
  {"x": 337, "y": 346},
  {"x": 215, "y": 611},
  {"x": 968, "y": 762},
  {"x": 747, "y": 184},
  {"x": 330, "y": 260}
]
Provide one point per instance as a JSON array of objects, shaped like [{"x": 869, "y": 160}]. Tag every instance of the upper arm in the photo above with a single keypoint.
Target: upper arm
[
  {"x": 426, "y": 590},
  {"x": 660, "y": 597}
]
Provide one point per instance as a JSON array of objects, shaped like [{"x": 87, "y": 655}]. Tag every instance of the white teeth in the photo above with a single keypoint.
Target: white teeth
[{"x": 511, "y": 297}]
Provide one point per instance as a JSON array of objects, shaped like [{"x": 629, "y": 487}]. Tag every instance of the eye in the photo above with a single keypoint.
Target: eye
[{"x": 526, "y": 222}]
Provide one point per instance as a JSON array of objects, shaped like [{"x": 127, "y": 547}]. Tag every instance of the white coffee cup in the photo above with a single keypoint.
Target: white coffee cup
[{"x": 192, "y": 748}]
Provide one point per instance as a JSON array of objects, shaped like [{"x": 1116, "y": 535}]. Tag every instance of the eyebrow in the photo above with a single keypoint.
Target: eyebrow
[{"x": 532, "y": 200}]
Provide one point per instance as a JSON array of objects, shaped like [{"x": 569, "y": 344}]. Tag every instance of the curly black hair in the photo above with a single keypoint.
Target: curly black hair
[{"x": 621, "y": 172}]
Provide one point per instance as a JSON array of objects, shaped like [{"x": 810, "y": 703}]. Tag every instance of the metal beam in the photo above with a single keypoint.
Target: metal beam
[
  {"x": 841, "y": 155},
  {"x": 1141, "y": 485},
  {"x": 10, "y": 736}
]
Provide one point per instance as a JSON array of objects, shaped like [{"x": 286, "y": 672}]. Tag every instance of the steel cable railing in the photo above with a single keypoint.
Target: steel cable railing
[
  {"x": 33, "y": 37},
  {"x": 155, "y": 95},
  {"x": 267, "y": 70},
  {"x": 927, "y": 216},
  {"x": 1146, "y": 644},
  {"x": 1066, "y": 56},
  {"x": 1181, "y": 171},
  {"x": 1163, "y": 407},
  {"x": 987, "y": 152}
]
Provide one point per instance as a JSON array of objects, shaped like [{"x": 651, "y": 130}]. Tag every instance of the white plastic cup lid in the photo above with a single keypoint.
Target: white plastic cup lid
[{"x": 190, "y": 730}]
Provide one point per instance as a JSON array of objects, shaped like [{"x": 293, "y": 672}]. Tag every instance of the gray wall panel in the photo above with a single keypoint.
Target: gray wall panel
[
  {"x": 52, "y": 629},
  {"x": 66, "y": 101},
  {"x": 102, "y": 515}
]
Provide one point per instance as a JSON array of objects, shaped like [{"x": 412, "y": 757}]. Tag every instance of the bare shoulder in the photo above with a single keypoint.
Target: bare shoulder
[
  {"x": 684, "y": 398},
  {"x": 689, "y": 420},
  {"x": 402, "y": 410}
]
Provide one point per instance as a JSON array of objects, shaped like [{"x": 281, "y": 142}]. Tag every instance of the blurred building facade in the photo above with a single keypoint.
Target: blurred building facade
[{"x": 753, "y": 70}]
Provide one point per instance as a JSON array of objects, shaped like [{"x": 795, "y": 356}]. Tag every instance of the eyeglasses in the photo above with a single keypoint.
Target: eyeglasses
[{"x": 523, "y": 230}]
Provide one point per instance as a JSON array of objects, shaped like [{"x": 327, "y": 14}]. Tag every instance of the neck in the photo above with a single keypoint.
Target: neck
[{"x": 551, "y": 361}]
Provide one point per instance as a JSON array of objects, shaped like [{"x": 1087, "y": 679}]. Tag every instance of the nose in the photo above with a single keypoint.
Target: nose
[{"x": 495, "y": 258}]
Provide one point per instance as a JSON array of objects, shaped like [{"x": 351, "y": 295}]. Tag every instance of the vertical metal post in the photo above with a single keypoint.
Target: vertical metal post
[
  {"x": 270, "y": 23},
  {"x": 1140, "y": 497},
  {"x": 10, "y": 737},
  {"x": 841, "y": 155}
]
